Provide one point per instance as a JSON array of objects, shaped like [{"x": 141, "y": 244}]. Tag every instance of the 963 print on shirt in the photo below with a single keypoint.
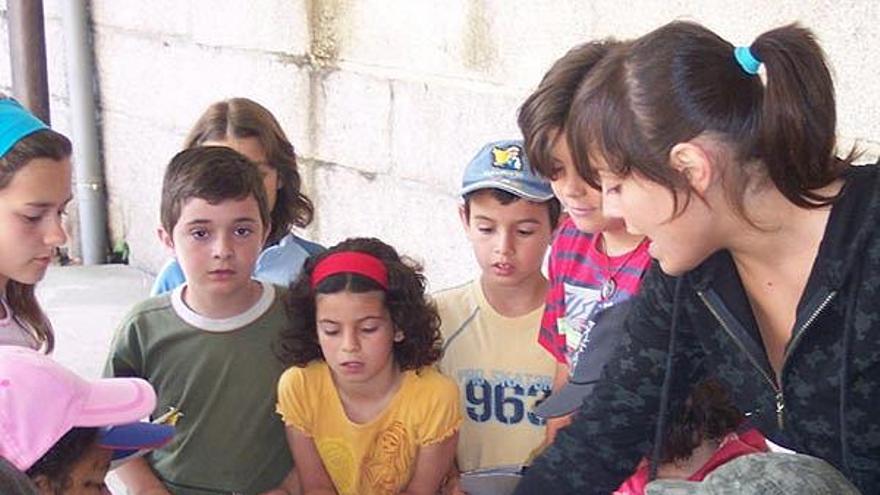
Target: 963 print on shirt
[{"x": 506, "y": 398}]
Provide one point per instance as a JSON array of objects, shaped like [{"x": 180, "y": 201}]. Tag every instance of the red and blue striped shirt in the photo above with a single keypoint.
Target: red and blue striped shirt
[{"x": 577, "y": 269}]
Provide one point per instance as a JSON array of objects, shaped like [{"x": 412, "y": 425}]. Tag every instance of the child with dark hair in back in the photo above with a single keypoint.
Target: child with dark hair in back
[
  {"x": 702, "y": 434},
  {"x": 250, "y": 128}
]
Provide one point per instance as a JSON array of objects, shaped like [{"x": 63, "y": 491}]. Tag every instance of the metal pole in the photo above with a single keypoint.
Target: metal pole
[
  {"x": 27, "y": 48},
  {"x": 90, "y": 194}
]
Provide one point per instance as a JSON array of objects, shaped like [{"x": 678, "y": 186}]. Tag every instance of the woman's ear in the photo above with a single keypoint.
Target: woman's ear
[
  {"x": 398, "y": 335},
  {"x": 694, "y": 163}
]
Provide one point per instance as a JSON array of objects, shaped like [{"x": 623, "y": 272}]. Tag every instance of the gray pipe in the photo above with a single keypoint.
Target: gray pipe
[
  {"x": 27, "y": 53},
  {"x": 90, "y": 194}
]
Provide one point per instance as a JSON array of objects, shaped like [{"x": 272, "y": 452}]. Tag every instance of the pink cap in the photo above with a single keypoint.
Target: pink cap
[{"x": 41, "y": 400}]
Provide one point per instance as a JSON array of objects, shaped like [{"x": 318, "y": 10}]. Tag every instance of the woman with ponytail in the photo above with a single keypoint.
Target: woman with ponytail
[{"x": 768, "y": 258}]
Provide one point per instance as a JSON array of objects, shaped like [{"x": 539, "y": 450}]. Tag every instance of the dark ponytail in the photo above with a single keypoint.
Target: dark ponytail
[
  {"x": 682, "y": 81},
  {"x": 798, "y": 119}
]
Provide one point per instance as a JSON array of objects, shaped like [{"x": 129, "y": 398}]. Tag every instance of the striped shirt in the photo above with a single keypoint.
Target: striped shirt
[{"x": 577, "y": 270}]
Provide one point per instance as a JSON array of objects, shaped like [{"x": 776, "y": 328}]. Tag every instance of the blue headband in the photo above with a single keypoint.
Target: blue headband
[
  {"x": 15, "y": 123},
  {"x": 746, "y": 60}
]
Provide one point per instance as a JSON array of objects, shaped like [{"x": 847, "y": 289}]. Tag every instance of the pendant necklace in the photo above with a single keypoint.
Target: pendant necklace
[{"x": 608, "y": 288}]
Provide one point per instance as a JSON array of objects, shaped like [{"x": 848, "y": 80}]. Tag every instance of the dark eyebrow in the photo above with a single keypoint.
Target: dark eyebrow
[
  {"x": 484, "y": 217},
  {"x": 359, "y": 320},
  {"x": 205, "y": 221},
  {"x": 198, "y": 221},
  {"x": 47, "y": 204}
]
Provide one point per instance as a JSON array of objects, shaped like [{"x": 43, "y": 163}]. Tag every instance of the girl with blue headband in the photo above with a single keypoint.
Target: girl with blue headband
[
  {"x": 768, "y": 256},
  {"x": 35, "y": 175}
]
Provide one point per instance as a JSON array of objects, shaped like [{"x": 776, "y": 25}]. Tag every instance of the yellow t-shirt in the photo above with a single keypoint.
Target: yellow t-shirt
[
  {"x": 378, "y": 457},
  {"x": 501, "y": 372}
]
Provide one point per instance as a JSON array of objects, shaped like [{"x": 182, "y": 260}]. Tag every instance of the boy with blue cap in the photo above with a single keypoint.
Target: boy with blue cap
[{"x": 490, "y": 323}]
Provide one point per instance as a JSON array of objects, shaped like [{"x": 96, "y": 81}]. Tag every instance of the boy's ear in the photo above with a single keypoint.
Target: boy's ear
[
  {"x": 694, "y": 163},
  {"x": 166, "y": 239},
  {"x": 463, "y": 215}
]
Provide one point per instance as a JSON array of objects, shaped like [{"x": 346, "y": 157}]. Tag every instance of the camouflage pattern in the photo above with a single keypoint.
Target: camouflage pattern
[
  {"x": 763, "y": 474},
  {"x": 718, "y": 336}
]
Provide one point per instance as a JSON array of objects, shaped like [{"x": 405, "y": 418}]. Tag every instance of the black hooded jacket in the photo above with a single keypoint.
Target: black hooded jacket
[{"x": 835, "y": 341}]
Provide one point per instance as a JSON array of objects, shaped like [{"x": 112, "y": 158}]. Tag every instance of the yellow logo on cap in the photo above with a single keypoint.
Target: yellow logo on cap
[{"x": 508, "y": 158}]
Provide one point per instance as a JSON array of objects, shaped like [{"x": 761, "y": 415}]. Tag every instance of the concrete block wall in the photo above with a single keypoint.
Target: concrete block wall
[{"x": 385, "y": 100}]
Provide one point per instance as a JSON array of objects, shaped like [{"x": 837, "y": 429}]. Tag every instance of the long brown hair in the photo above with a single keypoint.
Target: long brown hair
[
  {"x": 682, "y": 81},
  {"x": 238, "y": 118},
  {"x": 20, "y": 297}
]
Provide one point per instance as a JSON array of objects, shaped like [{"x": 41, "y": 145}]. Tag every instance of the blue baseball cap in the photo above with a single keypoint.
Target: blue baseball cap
[
  {"x": 503, "y": 165},
  {"x": 132, "y": 440},
  {"x": 15, "y": 124}
]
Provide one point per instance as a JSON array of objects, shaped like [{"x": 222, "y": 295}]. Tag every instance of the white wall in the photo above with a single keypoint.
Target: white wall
[{"x": 385, "y": 100}]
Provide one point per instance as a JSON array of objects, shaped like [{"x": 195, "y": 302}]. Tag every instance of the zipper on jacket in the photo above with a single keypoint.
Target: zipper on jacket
[
  {"x": 780, "y": 401},
  {"x": 780, "y": 409},
  {"x": 797, "y": 336},
  {"x": 777, "y": 388}
]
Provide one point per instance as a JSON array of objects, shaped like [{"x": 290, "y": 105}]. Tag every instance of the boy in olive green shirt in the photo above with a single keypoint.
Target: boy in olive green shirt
[{"x": 207, "y": 347}]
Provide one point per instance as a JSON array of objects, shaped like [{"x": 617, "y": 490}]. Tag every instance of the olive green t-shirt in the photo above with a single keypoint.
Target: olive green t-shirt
[{"x": 222, "y": 375}]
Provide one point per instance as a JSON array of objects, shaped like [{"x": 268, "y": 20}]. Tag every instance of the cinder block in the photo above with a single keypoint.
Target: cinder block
[
  {"x": 153, "y": 18},
  {"x": 438, "y": 128},
  {"x": 352, "y": 120},
  {"x": 136, "y": 152},
  {"x": 182, "y": 80},
  {"x": 420, "y": 37},
  {"x": 417, "y": 220},
  {"x": 269, "y": 25},
  {"x": 507, "y": 43}
]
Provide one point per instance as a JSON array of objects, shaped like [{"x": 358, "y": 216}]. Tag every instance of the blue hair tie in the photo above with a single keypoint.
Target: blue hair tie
[
  {"x": 15, "y": 123},
  {"x": 746, "y": 60}
]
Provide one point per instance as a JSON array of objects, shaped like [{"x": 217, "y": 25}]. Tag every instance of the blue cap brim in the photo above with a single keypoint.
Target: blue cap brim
[{"x": 129, "y": 439}]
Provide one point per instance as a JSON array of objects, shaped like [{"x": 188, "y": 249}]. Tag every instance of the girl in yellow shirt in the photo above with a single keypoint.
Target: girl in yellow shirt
[{"x": 365, "y": 411}]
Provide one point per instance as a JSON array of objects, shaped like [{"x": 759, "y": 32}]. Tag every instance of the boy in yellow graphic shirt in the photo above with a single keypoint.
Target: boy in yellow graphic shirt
[{"x": 490, "y": 324}]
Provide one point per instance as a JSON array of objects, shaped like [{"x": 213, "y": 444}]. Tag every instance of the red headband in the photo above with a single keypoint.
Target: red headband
[{"x": 351, "y": 262}]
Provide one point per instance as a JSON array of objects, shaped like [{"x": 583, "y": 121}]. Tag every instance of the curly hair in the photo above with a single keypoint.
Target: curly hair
[
  {"x": 238, "y": 118},
  {"x": 708, "y": 414},
  {"x": 57, "y": 464},
  {"x": 411, "y": 311}
]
